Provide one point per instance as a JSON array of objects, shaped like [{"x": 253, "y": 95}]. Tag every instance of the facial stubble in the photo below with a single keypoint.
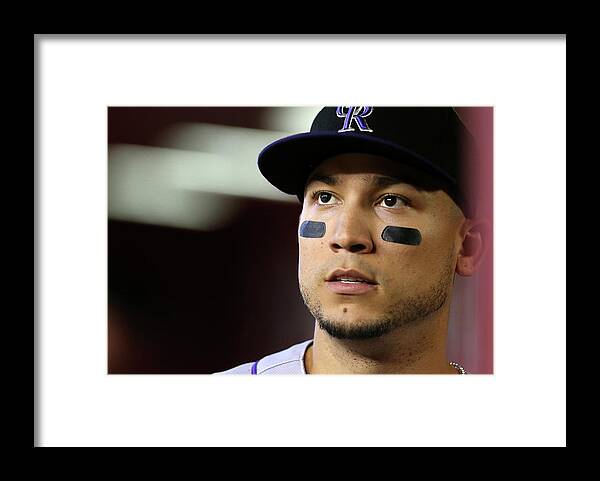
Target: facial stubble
[{"x": 406, "y": 312}]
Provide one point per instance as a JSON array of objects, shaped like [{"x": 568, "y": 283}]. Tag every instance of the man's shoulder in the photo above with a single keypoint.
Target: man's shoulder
[
  {"x": 288, "y": 361},
  {"x": 241, "y": 369}
]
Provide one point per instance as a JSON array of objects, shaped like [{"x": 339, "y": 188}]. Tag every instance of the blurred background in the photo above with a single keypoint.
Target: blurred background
[{"x": 202, "y": 250}]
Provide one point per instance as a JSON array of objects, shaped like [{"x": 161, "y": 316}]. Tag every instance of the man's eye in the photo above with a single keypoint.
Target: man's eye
[
  {"x": 324, "y": 198},
  {"x": 394, "y": 201}
]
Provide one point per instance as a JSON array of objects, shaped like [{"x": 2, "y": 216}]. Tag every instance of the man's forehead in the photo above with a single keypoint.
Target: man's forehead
[
  {"x": 369, "y": 179},
  {"x": 370, "y": 169}
]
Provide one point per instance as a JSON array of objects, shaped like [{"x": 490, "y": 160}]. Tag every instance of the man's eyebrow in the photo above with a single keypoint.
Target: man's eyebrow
[
  {"x": 326, "y": 179},
  {"x": 386, "y": 180}
]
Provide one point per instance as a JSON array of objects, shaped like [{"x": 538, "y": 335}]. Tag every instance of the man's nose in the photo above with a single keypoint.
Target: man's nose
[{"x": 351, "y": 233}]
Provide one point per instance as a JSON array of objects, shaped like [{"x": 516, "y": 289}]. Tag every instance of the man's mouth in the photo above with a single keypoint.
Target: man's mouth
[
  {"x": 349, "y": 281},
  {"x": 349, "y": 276}
]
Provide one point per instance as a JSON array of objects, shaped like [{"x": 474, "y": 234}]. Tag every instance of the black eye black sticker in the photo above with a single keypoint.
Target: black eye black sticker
[
  {"x": 309, "y": 228},
  {"x": 401, "y": 235}
]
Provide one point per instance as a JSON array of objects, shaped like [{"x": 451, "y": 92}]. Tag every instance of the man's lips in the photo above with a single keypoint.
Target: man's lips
[
  {"x": 349, "y": 275},
  {"x": 349, "y": 281},
  {"x": 352, "y": 288}
]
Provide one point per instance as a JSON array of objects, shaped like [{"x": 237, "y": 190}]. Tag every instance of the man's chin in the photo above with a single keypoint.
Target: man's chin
[{"x": 355, "y": 330}]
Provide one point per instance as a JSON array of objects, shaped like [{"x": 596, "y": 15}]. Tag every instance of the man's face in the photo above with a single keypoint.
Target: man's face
[{"x": 357, "y": 196}]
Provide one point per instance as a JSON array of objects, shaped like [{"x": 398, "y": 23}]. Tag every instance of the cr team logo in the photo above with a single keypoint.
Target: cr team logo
[{"x": 356, "y": 114}]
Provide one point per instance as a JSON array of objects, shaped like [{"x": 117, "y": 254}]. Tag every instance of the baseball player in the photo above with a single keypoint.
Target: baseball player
[{"x": 385, "y": 226}]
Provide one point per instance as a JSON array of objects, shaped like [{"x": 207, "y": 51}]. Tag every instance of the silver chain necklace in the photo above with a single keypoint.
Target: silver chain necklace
[{"x": 458, "y": 367}]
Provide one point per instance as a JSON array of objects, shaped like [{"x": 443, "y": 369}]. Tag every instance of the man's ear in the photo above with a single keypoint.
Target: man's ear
[{"x": 476, "y": 238}]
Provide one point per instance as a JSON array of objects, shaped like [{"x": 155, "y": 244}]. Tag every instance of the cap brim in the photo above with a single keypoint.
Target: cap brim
[{"x": 287, "y": 163}]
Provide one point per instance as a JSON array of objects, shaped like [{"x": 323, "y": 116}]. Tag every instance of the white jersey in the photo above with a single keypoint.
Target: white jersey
[{"x": 289, "y": 361}]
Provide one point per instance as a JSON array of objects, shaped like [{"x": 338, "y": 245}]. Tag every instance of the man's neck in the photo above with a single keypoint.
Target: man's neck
[{"x": 416, "y": 349}]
